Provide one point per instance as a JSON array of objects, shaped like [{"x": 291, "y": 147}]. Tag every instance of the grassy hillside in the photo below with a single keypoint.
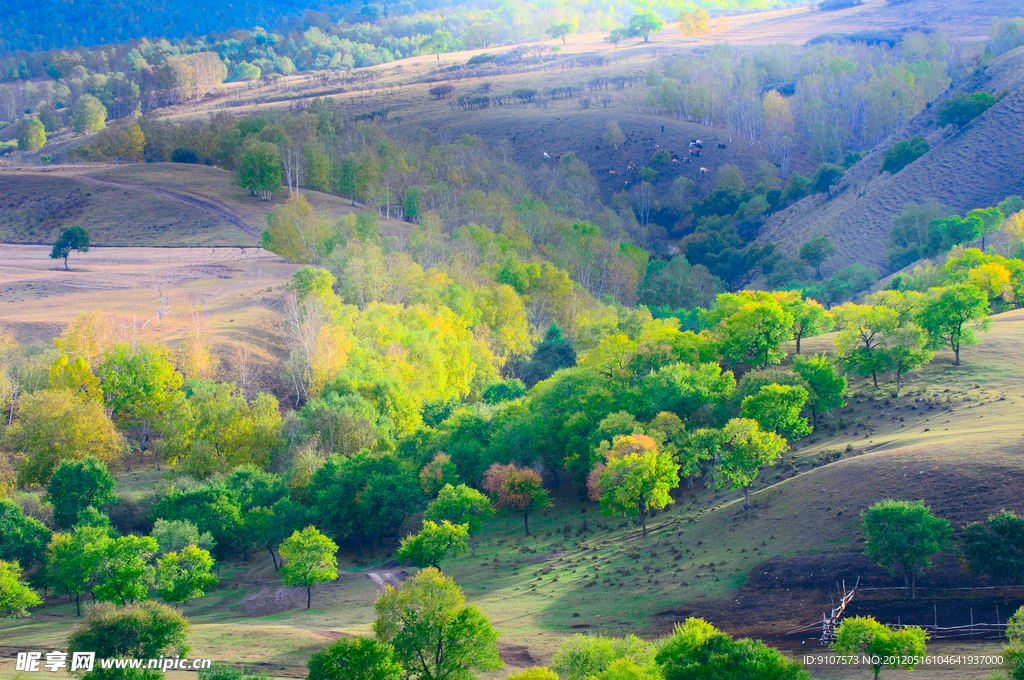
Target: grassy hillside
[
  {"x": 952, "y": 438},
  {"x": 165, "y": 204},
  {"x": 973, "y": 167}
]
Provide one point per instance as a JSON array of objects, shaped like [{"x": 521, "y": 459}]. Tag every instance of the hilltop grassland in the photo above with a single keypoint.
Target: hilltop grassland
[
  {"x": 163, "y": 204},
  {"x": 952, "y": 438}
]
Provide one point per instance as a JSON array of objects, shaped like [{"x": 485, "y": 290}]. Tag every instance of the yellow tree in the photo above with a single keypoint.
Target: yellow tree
[
  {"x": 296, "y": 232},
  {"x": 57, "y": 425},
  {"x": 694, "y": 24}
]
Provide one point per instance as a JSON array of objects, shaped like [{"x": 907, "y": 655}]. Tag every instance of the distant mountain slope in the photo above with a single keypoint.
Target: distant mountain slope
[
  {"x": 974, "y": 167},
  {"x": 47, "y": 24}
]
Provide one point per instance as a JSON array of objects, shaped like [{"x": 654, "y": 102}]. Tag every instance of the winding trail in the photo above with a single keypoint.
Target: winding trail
[{"x": 209, "y": 205}]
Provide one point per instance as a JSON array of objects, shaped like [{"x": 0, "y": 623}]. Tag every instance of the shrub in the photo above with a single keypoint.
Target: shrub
[
  {"x": 961, "y": 108},
  {"x": 903, "y": 154}
]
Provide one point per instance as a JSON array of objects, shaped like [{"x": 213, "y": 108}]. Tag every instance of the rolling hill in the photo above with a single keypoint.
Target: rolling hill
[{"x": 974, "y": 167}]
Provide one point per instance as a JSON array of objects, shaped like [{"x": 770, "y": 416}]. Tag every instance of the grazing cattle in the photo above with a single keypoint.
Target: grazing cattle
[
  {"x": 676, "y": 161},
  {"x": 703, "y": 171},
  {"x": 597, "y": 146},
  {"x": 558, "y": 158},
  {"x": 546, "y": 155},
  {"x": 722, "y": 146},
  {"x": 687, "y": 160},
  {"x": 612, "y": 172},
  {"x": 657, "y": 147}
]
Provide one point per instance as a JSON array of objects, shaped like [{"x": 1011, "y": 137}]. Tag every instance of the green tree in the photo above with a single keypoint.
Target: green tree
[
  {"x": 57, "y": 425},
  {"x": 355, "y": 658},
  {"x": 581, "y": 657},
  {"x": 23, "y": 539},
  {"x": 435, "y": 542},
  {"x": 434, "y": 634},
  {"x": 259, "y": 169},
  {"x": 746, "y": 449},
  {"x": 961, "y": 108},
  {"x": 139, "y": 384},
  {"x": 185, "y": 575},
  {"x": 810, "y": 319},
  {"x": 73, "y": 560},
  {"x": 15, "y": 596},
  {"x": 816, "y": 251},
  {"x": 440, "y": 41},
  {"x": 561, "y": 30},
  {"x": 72, "y": 238},
  {"x": 996, "y": 548},
  {"x": 991, "y": 219},
  {"x": 534, "y": 673},
  {"x": 554, "y": 352},
  {"x": 88, "y": 115},
  {"x": 635, "y": 478},
  {"x": 696, "y": 650},
  {"x": 76, "y": 485},
  {"x": 903, "y": 154},
  {"x": 642, "y": 24},
  {"x": 776, "y": 408},
  {"x": 825, "y": 385},
  {"x": 895, "y": 649},
  {"x": 309, "y": 558},
  {"x": 461, "y": 505},
  {"x": 297, "y": 232},
  {"x": 859, "y": 343},
  {"x": 145, "y": 630},
  {"x": 755, "y": 332},
  {"x": 31, "y": 134},
  {"x": 517, "y": 490},
  {"x": 903, "y": 535},
  {"x": 905, "y": 350},
  {"x": 125, "y": 572},
  {"x": 613, "y": 135},
  {"x": 951, "y": 315}
]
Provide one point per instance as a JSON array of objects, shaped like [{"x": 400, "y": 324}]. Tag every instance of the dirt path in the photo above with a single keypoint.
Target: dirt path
[
  {"x": 383, "y": 579},
  {"x": 211, "y": 206}
]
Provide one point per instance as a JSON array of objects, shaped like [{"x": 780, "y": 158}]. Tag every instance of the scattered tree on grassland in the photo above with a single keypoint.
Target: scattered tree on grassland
[
  {"x": 259, "y": 169},
  {"x": 53, "y": 426},
  {"x": 816, "y": 251},
  {"x": 903, "y": 154},
  {"x": 15, "y": 595},
  {"x": 863, "y": 636},
  {"x": 73, "y": 238},
  {"x": 125, "y": 572},
  {"x": 826, "y": 386},
  {"x": 991, "y": 219},
  {"x": 435, "y": 542},
  {"x": 777, "y": 409},
  {"x": 185, "y": 575},
  {"x": 613, "y": 135},
  {"x": 996, "y": 548},
  {"x": 696, "y": 650},
  {"x": 88, "y": 115},
  {"x": 694, "y": 23},
  {"x": 859, "y": 343},
  {"x": 642, "y": 24},
  {"x": 635, "y": 478},
  {"x": 810, "y": 319},
  {"x": 440, "y": 41},
  {"x": 461, "y": 505},
  {"x": 562, "y": 30},
  {"x": 745, "y": 450},
  {"x": 76, "y": 485},
  {"x": 516, "y": 490},
  {"x": 434, "y": 634},
  {"x": 146, "y": 630},
  {"x": 951, "y": 316},
  {"x": 355, "y": 658},
  {"x": 31, "y": 134},
  {"x": 73, "y": 560},
  {"x": 903, "y": 536},
  {"x": 309, "y": 558}
]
